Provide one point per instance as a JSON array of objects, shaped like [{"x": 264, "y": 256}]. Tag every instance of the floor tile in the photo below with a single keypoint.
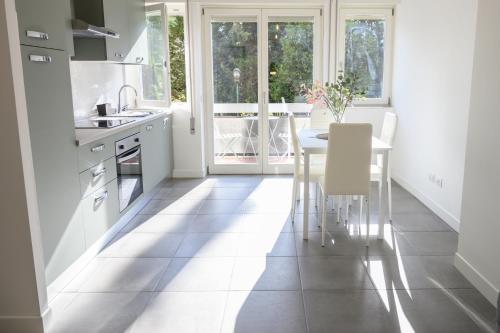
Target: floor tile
[
  {"x": 220, "y": 206},
  {"x": 145, "y": 245},
  {"x": 158, "y": 223},
  {"x": 182, "y": 312},
  {"x": 335, "y": 245},
  {"x": 414, "y": 272},
  {"x": 218, "y": 223},
  {"x": 222, "y": 254},
  {"x": 99, "y": 312},
  {"x": 359, "y": 311},
  {"x": 266, "y": 244},
  {"x": 326, "y": 273},
  {"x": 188, "y": 193},
  {"x": 418, "y": 222},
  {"x": 433, "y": 243},
  {"x": 121, "y": 274},
  {"x": 265, "y": 273},
  {"x": 197, "y": 274},
  {"x": 175, "y": 207},
  {"x": 208, "y": 245},
  {"x": 408, "y": 205},
  {"x": 442, "y": 310},
  {"x": 264, "y": 312},
  {"x": 229, "y": 193}
]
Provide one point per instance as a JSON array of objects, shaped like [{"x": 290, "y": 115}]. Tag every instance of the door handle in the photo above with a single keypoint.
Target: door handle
[
  {"x": 37, "y": 34},
  {"x": 139, "y": 60},
  {"x": 40, "y": 58},
  {"x": 97, "y": 148},
  {"x": 99, "y": 173},
  {"x": 101, "y": 197}
]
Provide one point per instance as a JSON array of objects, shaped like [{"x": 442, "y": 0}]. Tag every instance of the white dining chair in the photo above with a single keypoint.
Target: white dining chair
[
  {"x": 347, "y": 169},
  {"x": 315, "y": 170},
  {"x": 320, "y": 118},
  {"x": 386, "y": 136}
]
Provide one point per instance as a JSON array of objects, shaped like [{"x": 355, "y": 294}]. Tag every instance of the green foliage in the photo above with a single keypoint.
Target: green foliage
[
  {"x": 235, "y": 46},
  {"x": 364, "y": 58},
  {"x": 290, "y": 58},
  {"x": 177, "y": 58}
]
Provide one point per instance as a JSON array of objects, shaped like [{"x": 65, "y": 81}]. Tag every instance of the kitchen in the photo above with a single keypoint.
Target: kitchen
[
  {"x": 97, "y": 155},
  {"x": 149, "y": 147}
]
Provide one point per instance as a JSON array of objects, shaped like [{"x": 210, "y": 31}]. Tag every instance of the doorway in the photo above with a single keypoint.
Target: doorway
[{"x": 256, "y": 62}]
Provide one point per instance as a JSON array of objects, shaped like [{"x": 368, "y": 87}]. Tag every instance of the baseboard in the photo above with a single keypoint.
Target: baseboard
[
  {"x": 188, "y": 173},
  {"x": 69, "y": 274},
  {"x": 21, "y": 324},
  {"x": 482, "y": 284},
  {"x": 445, "y": 215}
]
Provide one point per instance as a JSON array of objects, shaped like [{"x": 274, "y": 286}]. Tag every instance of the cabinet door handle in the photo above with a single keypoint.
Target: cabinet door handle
[
  {"x": 40, "y": 58},
  {"x": 37, "y": 34},
  {"x": 99, "y": 173},
  {"x": 97, "y": 148},
  {"x": 101, "y": 197},
  {"x": 149, "y": 127},
  {"x": 139, "y": 60}
]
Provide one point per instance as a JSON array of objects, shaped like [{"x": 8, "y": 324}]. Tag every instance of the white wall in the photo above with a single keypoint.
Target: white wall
[
  {"x": 479, "y": 244},
  {"x": 23, "y": 297},
  {"x": 93, "y": 83},
  {"x": 433, "y": 57}
]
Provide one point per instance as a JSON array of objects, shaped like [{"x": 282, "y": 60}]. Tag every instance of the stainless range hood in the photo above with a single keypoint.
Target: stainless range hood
[{"x": 87, "y": 30}]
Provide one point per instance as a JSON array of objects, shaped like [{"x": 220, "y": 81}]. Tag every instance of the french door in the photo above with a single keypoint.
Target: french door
[{"x": 256, "y": 62}]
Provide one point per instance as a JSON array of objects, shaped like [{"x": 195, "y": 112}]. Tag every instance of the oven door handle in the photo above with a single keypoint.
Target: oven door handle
[{"x": 130, "y": 154}]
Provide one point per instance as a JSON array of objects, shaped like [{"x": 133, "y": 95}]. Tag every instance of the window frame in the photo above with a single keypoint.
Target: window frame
[
  {"x": 385, "y": 13},
  {"x": 166, "y": 102}
]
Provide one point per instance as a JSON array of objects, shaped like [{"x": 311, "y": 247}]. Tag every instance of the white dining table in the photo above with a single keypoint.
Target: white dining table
[{"x": 311, "y": 145}]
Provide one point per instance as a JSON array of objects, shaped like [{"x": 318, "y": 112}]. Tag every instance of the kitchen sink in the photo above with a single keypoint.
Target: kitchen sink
[{"x": 133, "y": 113}]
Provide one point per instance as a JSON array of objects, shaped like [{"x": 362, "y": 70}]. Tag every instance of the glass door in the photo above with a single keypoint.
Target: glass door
[
  {"x": 256, "y": 62},
  {"x": 292, "y": 40},
  {"x": 234, "y": 85}
]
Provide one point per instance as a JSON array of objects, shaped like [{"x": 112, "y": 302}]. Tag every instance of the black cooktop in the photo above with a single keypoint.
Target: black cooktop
[{"x": 93, "y": 123}]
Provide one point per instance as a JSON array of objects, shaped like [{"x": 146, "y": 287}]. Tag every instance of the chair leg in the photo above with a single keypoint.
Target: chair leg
[
  {"x": 294, "y": 197},
  {"x": 347, "y": 205},
  {"x": 338, "y": 204},
  {"x": 367, "y": 199},
  {"x": 361, "y": 198},
  {"x": 317, "y": 195},
  {"x": 389, "y": 197},
  {"x": 321, "y": 205},
  {"x": 323, "y": 219}
]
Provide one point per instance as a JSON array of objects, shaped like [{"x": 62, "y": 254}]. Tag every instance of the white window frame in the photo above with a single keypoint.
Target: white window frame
[
  {"x": 163, "y": 10},
  {"x": 357, "y": 12}
]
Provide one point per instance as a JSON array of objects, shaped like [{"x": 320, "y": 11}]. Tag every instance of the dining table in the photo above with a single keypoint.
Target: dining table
[{"x": 310, "y": 144}]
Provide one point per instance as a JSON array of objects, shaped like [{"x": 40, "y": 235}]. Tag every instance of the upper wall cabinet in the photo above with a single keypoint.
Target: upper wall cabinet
[
  {"x": 45, "y": 23},
  {"x": 126, "y": 22}
]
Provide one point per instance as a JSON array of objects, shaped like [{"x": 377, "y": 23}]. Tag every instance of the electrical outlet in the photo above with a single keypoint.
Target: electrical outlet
[
  {"x": 432, "y": 178},
  {"x": 439, "y": 182}
]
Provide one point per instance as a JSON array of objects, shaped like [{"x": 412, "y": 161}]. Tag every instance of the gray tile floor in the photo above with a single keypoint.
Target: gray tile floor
[{"x": 221, "y": 254}]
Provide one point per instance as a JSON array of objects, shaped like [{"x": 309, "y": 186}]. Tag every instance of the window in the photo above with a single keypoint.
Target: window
[
  {"x": 365, "y": 48},
  {"x": 177, "y": 58},
  {"x": 163, "y": 79}
]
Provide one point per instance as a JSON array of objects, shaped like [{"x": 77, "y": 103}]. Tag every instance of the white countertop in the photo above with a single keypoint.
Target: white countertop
[{"x": 88, "y": 135}]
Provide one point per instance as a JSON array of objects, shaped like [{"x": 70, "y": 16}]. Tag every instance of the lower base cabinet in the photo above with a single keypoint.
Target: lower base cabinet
[
  {"x": 100, "y": 211},
  {"x": 156, "y": 148}
]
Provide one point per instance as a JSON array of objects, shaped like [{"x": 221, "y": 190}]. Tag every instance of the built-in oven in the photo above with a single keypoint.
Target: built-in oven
[{"x": 129, "y": 170}]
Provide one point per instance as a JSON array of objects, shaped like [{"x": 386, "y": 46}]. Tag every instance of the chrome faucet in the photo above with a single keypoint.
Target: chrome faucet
[{"x": 120, "y": 108}]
